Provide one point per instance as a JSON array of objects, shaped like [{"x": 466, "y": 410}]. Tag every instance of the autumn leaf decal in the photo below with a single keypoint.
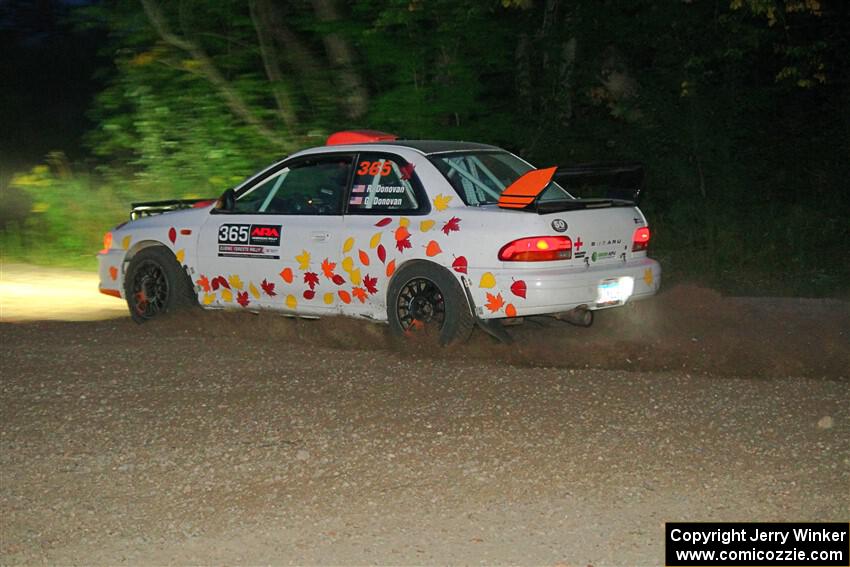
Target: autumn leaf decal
[
  {"x": 402, "y": 238},
  {"x": 494, "y": 302},
  {"x": 242, "y": 298},
  {"x": 311, "y": 279},
  {"x": 359, "y": 293},
  {"x": 219, "y": 281},
  {"x": 370, "y": 283},
  {"x": 384, "y": 222},
  {"x": 382, "y": 253},
  {"x": 286, "y": 274},
  {"x": 338, "y": 279},
  {"x": 235, "y": 281},
  {"x": 433, "y": 249},
  {"x": 172, "y": 235},
  {"x": 364, "y": 257},
  {"x": 519, "y": 288},
  {"x": 328, "y": 268},
  {"x": 460, "y": 265},
  {"x": 344, "y": 296},
  {"x": 113, "y": 273},
  {"x": 303, "y": 260},
  {"x": 406, "y": 171},
  {"x": 510, "y": 310},
  {"x": 452, "y": 225},
  {"x": 309, "y": 294},
  {"x": 268, "y": 288},
  {"x": 203, "y": 283},
  {"x": 441, "y": 202}
]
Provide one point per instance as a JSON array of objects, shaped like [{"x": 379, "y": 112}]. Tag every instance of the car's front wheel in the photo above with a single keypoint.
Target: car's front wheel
[
  {"x": 426, "y": 299},
  {"x": 155, "y": 284}
]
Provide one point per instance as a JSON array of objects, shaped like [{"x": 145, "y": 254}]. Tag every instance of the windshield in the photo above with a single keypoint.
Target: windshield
[{"x": 480, "y": 177}]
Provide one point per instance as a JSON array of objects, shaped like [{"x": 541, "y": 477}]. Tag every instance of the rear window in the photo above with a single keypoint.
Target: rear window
[
  {"x": 480, "y": 177},
  {"x": 385, "y": 184}
]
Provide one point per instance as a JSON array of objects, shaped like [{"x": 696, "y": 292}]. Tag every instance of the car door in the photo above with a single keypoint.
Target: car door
[{"x": 269, "y": 249}]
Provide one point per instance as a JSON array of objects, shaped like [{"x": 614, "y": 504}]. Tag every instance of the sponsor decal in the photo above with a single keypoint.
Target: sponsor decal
[
  {"x": 606, "y": 242},
  {"x": 581, "y": 254},
  {"x": 597, "y": 256},
  {"x": 578, "y": 244},
  {"x": 559, "y": 225},
  {"x": 249, "y": 240}
]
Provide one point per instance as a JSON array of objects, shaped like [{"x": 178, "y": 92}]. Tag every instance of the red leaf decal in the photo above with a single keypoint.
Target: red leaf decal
[
  {"x": 338, "y": 279},
  {"x": 460, "y": 265},
  {"x": 406, "y": 171},
  {"x": 268, "y": 287},
  {"x": 382, "y": 253},
  {"x": 220, "y": 281},
  {"x": 172, "y": 235},
  {"x": 328, "y": 268},
  {"x": 311, "y": 279},
  {"x": 519, "y": 288},
  {"x": 359, "y": 293},
  {"x": 494, "y": 302},
  {"x": 309, "y": 294},
  {"x": 242, "y": 298},
  {"x": 402, "y": 244},
  {"x": 369, "y": 282},
  {"x": 204, "y": 283},
  {"x": 384, "y": 222},
  {"x": 452, "y": 225}
]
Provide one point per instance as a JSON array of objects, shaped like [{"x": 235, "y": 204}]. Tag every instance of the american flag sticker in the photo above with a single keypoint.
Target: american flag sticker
[
  {"x": 358, "y": 189},
  {"x": 356, "y": 200}
]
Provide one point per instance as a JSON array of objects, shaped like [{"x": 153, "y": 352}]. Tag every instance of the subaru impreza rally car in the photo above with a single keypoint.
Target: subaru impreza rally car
[{"x": 424, "y": 235}]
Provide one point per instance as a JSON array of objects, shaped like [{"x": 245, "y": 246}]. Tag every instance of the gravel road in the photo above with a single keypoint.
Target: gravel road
[{"x": 230, "y": 438}]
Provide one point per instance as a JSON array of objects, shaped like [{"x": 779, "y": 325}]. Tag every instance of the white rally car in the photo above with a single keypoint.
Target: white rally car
[{"x": 432, "y": 235}]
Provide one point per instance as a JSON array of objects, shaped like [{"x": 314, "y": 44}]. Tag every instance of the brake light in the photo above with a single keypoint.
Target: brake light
[
  {"x": 107, "y": 242},
  {"x": 640, "y": 241},
  {"x": 537, "y": 249}
]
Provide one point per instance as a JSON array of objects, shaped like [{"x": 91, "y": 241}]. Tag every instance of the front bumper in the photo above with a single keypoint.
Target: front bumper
[{"x": 111, "y": 272}]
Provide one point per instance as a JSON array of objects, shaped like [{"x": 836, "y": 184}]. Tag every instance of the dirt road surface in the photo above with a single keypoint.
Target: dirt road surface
[{"x": 231, "y": 438}]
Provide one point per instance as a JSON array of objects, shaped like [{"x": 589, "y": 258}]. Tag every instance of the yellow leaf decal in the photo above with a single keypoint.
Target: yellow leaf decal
[
  {"x": 488, "y": 281},
  {"x": 125, "y": 243},
  {"x": 254, "y": 291},
  {"x": 647, "y": 276},
  {"x": 291, "y": 302},
  {"x": 329, "y": 298},
  {"x": 349, "y": 244},
  {"x": 426, "y": 225},
  {"x": 235, "y": 281},
  {"x": 303, "y": 260},
  {"x": 208, "y": 298},
  {"x": 441, "y": 202},
  {"x": 226, "y": 295},
  {"x": 181, "y": 255},
  {"x": 404, "y": 221},
  {"x": 376, "y": 239},
  {"x": 347, "y": 263},
  {"x": 355, "y": 276}
]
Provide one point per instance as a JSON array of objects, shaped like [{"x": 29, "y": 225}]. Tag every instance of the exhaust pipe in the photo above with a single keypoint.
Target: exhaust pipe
[{"x": 580, "y": 316}]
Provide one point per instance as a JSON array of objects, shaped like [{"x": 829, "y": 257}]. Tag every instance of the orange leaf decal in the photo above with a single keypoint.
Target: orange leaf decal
[
  {"x": 344, "y": 296},
  {"x": 510, "y": 310},
  {"x": 359, "y": 293},
  {"x": 328, "y": 268},
  {"x": 401, "y": 233},
  {"x": 433, "y": 248},
  {"x": 204, "y": 283},
  {"x": 494, "y": 302},
  {"x": 286, "y": 274},
  {"x": 113, "y": 272},
  {"x": 364, "y": 258},
  {"x": 391, "y": 268}
]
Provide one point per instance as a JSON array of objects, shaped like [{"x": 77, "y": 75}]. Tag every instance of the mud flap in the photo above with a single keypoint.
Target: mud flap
[{"x": 489, "y": 326}]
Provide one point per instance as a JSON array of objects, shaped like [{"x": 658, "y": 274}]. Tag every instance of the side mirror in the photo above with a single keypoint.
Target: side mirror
[{"x": 227, "y": 201}]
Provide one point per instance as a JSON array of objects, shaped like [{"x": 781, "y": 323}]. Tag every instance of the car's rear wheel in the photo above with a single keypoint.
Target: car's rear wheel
[
  {"x": 426, "y": 300},
  {"x": 156, "y": 284}
]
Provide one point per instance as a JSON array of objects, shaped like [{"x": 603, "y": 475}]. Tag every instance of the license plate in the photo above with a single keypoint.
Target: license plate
[{"x": 614, "y": 291}]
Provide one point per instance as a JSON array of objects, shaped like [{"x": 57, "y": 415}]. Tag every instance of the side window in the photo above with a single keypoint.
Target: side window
[
  {"x": 313, "y": 186},
  {"x": 385, "y": 184}
]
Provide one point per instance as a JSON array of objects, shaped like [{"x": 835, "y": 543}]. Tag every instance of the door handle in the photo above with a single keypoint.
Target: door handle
[{"x": 319, "y": 236}]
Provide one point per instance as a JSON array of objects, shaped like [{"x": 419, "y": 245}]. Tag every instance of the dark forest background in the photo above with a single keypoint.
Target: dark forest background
[{"x": 740, "y": 110}]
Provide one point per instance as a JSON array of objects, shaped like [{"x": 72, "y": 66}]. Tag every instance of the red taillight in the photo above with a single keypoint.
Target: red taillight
[
  {"x": 640, "y": 241},
  {"x": 537, "y": 249},
  {"x": 107, "y": 242}
]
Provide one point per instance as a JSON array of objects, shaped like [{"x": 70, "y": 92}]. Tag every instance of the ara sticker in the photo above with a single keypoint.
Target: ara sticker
[
  {"x": 559, "y": 225},
  {"x": 249, "y": 240}
]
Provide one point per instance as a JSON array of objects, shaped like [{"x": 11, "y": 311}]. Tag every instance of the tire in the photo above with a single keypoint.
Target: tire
[
  {"x": 426, "y": 299},
  {"x": 156, "y": 284}
]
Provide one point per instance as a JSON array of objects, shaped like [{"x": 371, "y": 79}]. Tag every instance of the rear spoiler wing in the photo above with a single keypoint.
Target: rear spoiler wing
[
  {"x": 151, "y": 208},
  {"x": 623, "y": 184}
]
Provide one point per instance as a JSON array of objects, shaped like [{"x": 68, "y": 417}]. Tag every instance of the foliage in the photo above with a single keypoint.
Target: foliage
[{"x": 738, "y": 108}]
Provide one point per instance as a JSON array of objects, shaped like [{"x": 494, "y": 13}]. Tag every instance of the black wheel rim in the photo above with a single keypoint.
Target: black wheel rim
[
  {"x": 150, "y": 289},
  {"x": 420, "y": 305}
]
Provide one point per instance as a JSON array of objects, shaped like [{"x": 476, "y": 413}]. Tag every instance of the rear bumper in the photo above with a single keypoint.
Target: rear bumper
[{"x": 555, "y": 291}]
